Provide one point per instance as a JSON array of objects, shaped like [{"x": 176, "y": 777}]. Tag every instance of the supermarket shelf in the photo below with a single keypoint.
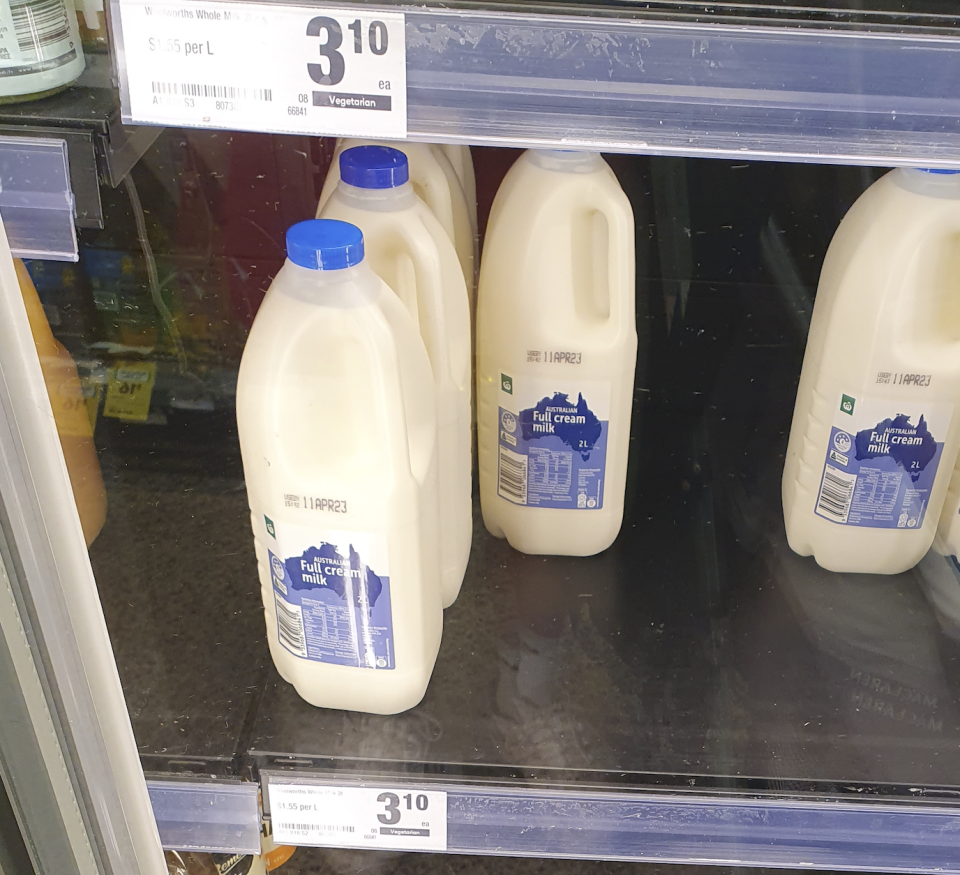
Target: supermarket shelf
[
  {"x": 87, "y": 117},
  {"x": 697, "y": 677},
  {"x": 806, "y": 89},
  {"x": 218, "y": 817},
  {"x": 793, "y": 833}
]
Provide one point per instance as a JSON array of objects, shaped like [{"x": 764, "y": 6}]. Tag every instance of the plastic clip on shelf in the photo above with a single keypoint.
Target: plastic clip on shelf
[
  {"x": 215, "y": 817},
  {"x": 36, "y": 200}
]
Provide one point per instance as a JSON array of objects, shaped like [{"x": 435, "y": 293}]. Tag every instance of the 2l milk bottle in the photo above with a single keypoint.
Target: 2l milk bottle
[
  {"x": 947, "y": 540},
  {"x": 556, "y": 354},
  {"x": 337, "y": 423},
  {"x": 461, "y": 159},
  {"x": 406, "y": 247},
  {"x": 436, "y": 184},
  {"x": 876, "y": 426}
]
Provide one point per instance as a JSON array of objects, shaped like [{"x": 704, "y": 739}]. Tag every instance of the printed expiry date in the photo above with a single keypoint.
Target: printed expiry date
[
  {"x": 309, "y": 502},
  {"x": 551, "y": 356}
]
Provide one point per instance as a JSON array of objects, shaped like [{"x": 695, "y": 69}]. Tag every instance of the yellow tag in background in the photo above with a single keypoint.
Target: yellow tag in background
[{"x": 129, "y": 387}]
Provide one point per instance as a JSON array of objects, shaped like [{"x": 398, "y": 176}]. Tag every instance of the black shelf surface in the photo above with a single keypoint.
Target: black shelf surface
[
  {"x": 697, "y": 645},
  {"x": 183, "y": 606},
  {"x": 572, "y": 666}
]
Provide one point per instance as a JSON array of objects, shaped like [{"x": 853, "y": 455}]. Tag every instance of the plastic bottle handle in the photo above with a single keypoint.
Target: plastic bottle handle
[
  {"x": 429, "y": 305},
  {"x": 905, "y": 307},
  {"x": 436, "y": 191},
  {"x": 381, "y": 345},
  {"x": 620, "y": 248}
]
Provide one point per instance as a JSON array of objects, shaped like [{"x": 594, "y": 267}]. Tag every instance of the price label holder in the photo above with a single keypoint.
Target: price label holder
[
  {"x": 264, "y": 67},
  {"x": 386, "y": 818}
]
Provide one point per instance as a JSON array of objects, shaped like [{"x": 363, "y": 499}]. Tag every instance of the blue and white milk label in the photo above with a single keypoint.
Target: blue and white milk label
[
  {"x": 331, "y": 590},
  {"x": 553, "y": 442},
  {"x": 881, "y": 461}
]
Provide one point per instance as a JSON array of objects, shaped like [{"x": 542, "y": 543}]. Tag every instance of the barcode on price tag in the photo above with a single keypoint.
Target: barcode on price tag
[
  {"x": 260, "y": 67},
  {"x": 397, "y": 819}
]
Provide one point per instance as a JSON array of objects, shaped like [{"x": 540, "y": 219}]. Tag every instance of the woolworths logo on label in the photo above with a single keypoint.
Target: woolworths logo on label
[
  {"x": 270, "y": 528},
  {"x": 506, "y": 384},
  {"x": 846, "y": 404}
]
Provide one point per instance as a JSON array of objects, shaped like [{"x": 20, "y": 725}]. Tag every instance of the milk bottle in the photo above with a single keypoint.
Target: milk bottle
[
  {"x": 337, "y": 423},
  {"x": 876, "y": 429},
  {"x": 947, "y": 540},
  {"x": 406, "y": 247},
  {"x": 436, "y": 184},
  {"x": 556, "y": 352},
  {"x": 461, "y": 160}
]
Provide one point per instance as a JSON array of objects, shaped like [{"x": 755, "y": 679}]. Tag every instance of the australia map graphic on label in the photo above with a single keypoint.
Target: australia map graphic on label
[
  {"x": 575, "y": 424},
  {"x": 910, "y": 446},
  {"x": 325, "y": 566}
]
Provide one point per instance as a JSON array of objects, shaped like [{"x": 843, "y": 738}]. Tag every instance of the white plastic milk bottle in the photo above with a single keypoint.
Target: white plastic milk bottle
[
  {"x": 337, "y": 427},
  {"x": 406, "y": 247},
  {"x": 876, "y": 426},
  {"x": 947, "y": 540},
  {"x": 436, "y": 184},
  {"x": 461, "y": 159},
  {"x": 556, "y": 354}
]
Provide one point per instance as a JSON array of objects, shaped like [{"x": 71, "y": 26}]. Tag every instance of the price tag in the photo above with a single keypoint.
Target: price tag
[
  {"x": 260, "y": 67},
  {"x": 129, "y": 387},
  {"x": 396, "y": 819}
]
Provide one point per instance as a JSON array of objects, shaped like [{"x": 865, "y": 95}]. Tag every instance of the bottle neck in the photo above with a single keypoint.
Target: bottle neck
[
  {"x": 929, "y": 184},
  {"x": 344, "y": 288},
  {"x": 381, "y": 200},
  {"x": 564, "y": 161}
]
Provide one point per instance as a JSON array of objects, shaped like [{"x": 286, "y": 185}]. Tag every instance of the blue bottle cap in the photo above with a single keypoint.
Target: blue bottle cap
[
  {"x": 938, "y": 171},
  {"x": 374, "y": 167},
  {"x": 325, "y": 244}
]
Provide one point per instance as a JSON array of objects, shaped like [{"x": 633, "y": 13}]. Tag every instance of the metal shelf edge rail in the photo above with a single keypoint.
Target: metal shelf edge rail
[
  {"x": 212, "y": 816},
  {"x": 800, "y": 92},
  {"x": 683, "y": 828}
]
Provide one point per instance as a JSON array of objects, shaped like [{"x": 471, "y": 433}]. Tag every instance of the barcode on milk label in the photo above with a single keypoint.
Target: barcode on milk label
[
  {"x": 881, "y": 461},
  {"x": 553, "y": 442},
  {"x": 331, "y": 594},
  {"x": 265, "y": 67}
]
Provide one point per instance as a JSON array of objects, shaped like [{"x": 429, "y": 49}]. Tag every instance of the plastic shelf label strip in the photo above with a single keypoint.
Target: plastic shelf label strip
[
  {"x": 787, "y": 89},
  {"x": 207, "y": 816},
  {"x": 909, "y": 836},
  {"x": 259, "y": 67}
]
